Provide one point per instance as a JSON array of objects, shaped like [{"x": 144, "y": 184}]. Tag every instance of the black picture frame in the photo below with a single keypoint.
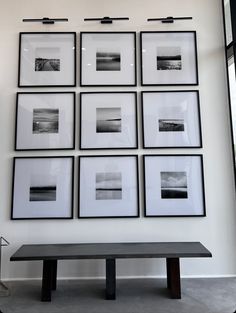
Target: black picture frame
[
  {"x": 92, "y": 64},
  {"x": 228, "y": 8},
  {"x": 169, "y": 196},
  {"x": 229, "y": 23},
  {"x": 94, "y": 104},
  {"x": 189, "y": 114},
  {"x": 66, "y": 111},
  {"x": 154, "y": 81},
  {"x": 16, "y": 198},
  {"x": 20, "y": 65},
  {"x": 82, "y": 183}
]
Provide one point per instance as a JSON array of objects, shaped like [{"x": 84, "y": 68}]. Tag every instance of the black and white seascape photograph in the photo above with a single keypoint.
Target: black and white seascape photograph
[
  {"x": 47, "y": 65},
  {"x": 47, "y": 59},
  {"x": 171, "y": 125},
  {"x": 169, "y": 58},
  {"x": 108, "y": 61},
  {"x": 109, "y": 186},
  {"x": 174, "y": 185},
  {"x": 108, "y": 120},
  {"x": 43, "y": 193},
  {"x": 45, "y": 121}
]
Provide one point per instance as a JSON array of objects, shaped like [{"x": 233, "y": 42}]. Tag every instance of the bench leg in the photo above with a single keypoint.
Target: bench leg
[
  {"x": 110, "y": 279},
  {"x": 47, "y": 281},
  {"x": 173, "y": 277},
  {"x": 168, "y": 273},
  {"x": 54, "y": 274}
]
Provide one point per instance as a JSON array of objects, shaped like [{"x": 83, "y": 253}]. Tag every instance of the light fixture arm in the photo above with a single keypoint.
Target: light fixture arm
[
  {"x": 106, "y": 19},
  {"x": 45, "y": 20},
  {"x": 169, "y": 19}
]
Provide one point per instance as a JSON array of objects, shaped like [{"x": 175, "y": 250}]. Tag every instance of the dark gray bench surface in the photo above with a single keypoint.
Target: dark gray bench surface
[{"x": 111, "y": 250}]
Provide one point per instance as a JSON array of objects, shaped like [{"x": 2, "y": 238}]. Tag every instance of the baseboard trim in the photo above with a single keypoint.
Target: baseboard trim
[{"x": 123, "y": 277}]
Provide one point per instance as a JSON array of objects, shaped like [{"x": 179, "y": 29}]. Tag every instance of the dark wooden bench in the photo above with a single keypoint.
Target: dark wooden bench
[{"x": 51, "y": 253}]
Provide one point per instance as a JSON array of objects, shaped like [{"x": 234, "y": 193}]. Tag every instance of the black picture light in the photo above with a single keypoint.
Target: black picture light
[
  {"x": 169, "y": 19},
  {"x": 45, "y": 20},
  {"x": 106, "y": 19}
]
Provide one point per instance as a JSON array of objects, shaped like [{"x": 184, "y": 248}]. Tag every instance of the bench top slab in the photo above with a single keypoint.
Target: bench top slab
[{"x": 111, "y": 250}]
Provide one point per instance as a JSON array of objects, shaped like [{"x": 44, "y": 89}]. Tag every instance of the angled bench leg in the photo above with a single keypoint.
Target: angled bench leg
[
  {"x": 110, "y": 279},
  {"x": 173, "y": 277},
  {"x": 47, "y": 280}
]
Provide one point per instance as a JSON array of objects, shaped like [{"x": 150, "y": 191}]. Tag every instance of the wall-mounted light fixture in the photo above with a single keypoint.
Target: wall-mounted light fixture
[
  {"x": 106, "y": 19},
  {"x": 45, "y": 20},
  {"x": 169, "y": 19}
]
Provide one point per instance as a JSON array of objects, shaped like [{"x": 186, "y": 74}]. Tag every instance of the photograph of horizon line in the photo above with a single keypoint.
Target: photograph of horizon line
[
  {"x": 108, "y": 61},
  {"x": 43, "y": 193},
  {"x": 171, "y": 125},
  {"x": 45, "y": 121},
  {"x": 108, "y": 120},
  {"x": 109, "y": 186},
  {"x": 169, "y": 58},
  {"x": 174, "y": 185}
]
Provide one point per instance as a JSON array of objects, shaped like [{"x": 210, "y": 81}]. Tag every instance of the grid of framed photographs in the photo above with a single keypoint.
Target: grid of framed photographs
[{"x": 108, "y": 184}]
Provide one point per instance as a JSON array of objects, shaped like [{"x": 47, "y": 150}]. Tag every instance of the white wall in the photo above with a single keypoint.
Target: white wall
[{"x": 217, "y": 231}]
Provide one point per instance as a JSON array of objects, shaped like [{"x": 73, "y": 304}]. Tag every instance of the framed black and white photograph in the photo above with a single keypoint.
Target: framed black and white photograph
[
  {"x": 174, "y": 185},
  {"x": 171, "y": 119},
  {"x": 108, "y": 59},
  {"x": 43, "y": 188},
  {"x": 108, "y": 120},
  {"x": 47, "y": 59},
  {"x": 169, "y": 58},
  {"x": 108, "y": 186},
  {"x": 45, "y": 121}
]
